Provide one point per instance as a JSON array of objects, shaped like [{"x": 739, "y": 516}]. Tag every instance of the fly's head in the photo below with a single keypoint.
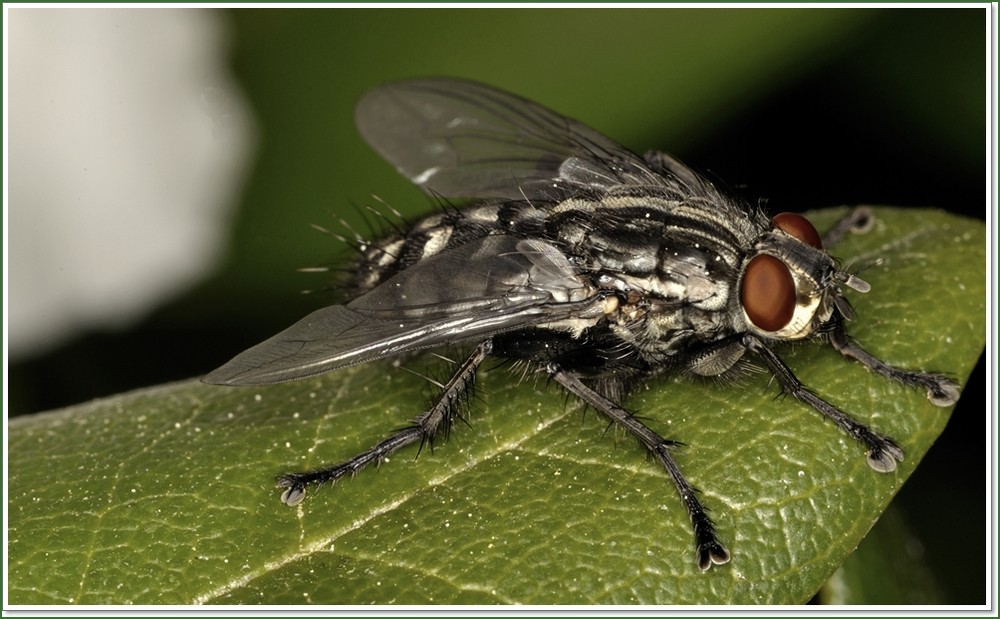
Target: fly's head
[{"x": 789, "y": 285}]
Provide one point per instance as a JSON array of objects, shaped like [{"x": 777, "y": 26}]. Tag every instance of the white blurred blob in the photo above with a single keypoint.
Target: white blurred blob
[{"x": 128, "y": 141}]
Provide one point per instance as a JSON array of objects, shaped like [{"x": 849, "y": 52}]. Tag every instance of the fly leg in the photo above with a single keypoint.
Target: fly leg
[
  {"x": 710, "y": 550},
  {"x": 883, "y": 452},
  {"x": 941, "y": 390},
  {"x": 859, "y": 220},
  {"x": 423, "y": 429}
]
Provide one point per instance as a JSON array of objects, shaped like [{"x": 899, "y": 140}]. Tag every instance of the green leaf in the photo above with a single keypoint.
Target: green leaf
[{"x": 166, "y": 495}]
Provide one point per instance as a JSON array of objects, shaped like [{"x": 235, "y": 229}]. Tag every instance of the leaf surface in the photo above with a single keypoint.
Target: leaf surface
[{"x": 166, "y": 495}]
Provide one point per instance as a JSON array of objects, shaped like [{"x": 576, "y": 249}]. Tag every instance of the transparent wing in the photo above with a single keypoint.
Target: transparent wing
[
  {"x": 461, "y": 139},
  {"x": 493, "y": 284}
]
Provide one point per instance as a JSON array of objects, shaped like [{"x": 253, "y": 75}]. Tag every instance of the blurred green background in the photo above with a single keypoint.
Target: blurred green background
[{"x": 800, "y": 108}]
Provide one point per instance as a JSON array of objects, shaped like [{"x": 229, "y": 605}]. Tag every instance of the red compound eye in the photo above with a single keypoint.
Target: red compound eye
[
  {"x": 799, "y": 227},
  {"x": 768, "y": 293}
]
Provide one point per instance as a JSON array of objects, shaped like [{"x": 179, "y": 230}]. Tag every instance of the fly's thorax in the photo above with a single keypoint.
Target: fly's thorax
[
  {"x": 672, "y": 261},
  {"x": 668, "y": 247},
  {"x": 788, "y": 285}
]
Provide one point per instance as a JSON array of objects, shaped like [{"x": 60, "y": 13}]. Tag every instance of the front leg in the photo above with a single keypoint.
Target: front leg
[
  {"x": 941, "y": 390},
  {"x": 883, "y": 452},
  {"x": 860, "y": 220}
]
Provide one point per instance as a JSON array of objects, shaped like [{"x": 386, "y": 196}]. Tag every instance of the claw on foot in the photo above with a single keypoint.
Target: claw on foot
[
  {"x": 883, "y": 458},
  {"x": 294, "y": 492},
  {"x": 712, "y": 553},
  {"x": 945, "y": 393}
]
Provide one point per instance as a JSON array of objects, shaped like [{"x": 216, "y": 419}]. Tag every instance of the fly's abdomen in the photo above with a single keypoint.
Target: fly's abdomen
[{"x": 427, "y": 237}]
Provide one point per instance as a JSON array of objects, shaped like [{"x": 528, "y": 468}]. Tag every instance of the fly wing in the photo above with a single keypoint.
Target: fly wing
[
  {"x": 461, "y": 139},
  {"x": 493, "y": 284}
]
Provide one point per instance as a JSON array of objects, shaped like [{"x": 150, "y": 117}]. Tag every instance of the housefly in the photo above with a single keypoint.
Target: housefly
[{"x": 574, "y": 256}]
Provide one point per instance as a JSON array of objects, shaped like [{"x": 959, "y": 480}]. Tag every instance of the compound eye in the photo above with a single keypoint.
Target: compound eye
[
  {"x": 768, "y": 293},
  {"x": 799, "y": 227}
]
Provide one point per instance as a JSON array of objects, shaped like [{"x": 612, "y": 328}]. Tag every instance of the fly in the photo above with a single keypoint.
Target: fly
[{"x": 577, "y": 257}]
